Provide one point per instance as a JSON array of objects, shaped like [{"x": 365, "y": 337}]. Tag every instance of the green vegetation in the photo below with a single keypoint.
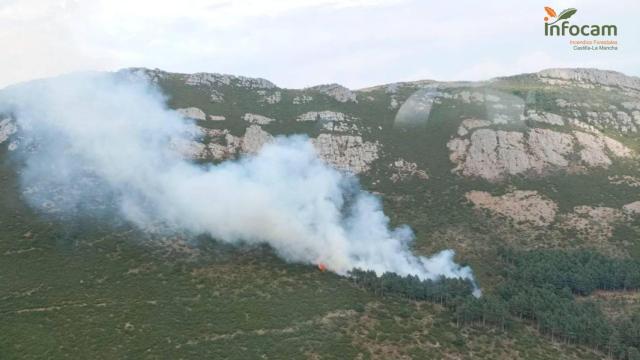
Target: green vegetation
[
  {"x": 539, "y": 286},
  {"x": 94, "y": 289},
  {"x": 442, "y": 291}
]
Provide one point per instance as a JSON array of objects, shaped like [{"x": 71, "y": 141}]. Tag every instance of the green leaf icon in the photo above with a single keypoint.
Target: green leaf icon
[{"x": 565, "y": 14}]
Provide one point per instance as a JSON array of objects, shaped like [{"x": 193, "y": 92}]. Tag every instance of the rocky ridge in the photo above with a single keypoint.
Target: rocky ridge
[
  {"x": 336, "y": 91},
  {"x": 589, "y": 76}
]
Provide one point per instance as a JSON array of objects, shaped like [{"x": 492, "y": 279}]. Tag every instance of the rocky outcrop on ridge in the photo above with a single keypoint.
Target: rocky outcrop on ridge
[
  {"x": 479, "y": 151},
  {"x": 336, "y": 91}
]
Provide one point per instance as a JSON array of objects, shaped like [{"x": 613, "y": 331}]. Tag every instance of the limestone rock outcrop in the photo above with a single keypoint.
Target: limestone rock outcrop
[
  {"x": 322, "y": 116},
  {"x": 336, "y": 91},
  {"x": 346, "y": 152},
  {"x": 545, "y": 118},
  {"x": 192, "y": 113},
  {"x": 254, "y": 138},
  {"x": 632, "y": 208},
  {"x": 269, "y": 97},
  {"x": 224, "y": 145},
  {"x": 404, "y": 170},
  {"x": 592, "y": 76},
  {"x": 257, "y": 119},
  {"x": 330, "y": 120},
  {"x": 214, "y": 79},
  {"x": 493, "y": 154}
]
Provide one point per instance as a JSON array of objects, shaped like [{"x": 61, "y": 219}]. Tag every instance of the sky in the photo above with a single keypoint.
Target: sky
[{"x": 299, "y": 43}]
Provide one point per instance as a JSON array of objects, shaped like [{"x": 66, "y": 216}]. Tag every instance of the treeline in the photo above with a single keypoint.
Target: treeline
[
  {"x": 442, "y": 291},
  {"x": 539, "y": 286},
  {"x": 580, "y": 271}
]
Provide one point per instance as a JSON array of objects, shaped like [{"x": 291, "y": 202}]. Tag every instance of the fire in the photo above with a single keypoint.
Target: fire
[{"x": 322, "y": 267}]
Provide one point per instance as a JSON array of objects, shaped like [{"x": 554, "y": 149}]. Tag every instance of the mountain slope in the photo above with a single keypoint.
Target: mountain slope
[
  {"x": 567, "y": 137},
  {"x": 546, "y": 160}
]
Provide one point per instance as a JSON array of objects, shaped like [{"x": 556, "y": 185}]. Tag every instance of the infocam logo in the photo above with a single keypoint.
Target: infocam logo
[{"x": 558, "y": 25}]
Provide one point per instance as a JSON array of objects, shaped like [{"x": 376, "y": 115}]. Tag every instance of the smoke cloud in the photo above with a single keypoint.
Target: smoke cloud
[{"x": 102, "y": 142}]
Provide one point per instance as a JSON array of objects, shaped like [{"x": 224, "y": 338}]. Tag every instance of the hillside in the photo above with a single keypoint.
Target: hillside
[
  {"x": 554, "y": 151},
  {"x": 533, "y": 162}
]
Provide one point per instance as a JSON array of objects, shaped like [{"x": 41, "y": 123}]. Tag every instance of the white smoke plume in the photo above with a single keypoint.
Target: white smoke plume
[{"x": 104, "y": 139}]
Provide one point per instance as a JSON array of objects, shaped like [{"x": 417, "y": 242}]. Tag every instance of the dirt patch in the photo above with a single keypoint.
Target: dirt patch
[
  {"x": 596, "y": 221},
  {"x": 524, "y": 207},
  {"x": 615, "y": 304}
]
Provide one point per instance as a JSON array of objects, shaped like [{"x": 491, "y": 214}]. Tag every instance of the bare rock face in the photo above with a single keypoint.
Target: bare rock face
[
  {"x": 336, "y": 91},
  {"x": 491, "y": 154},
  {"x": 582, "y": 125},
  {"x": 254, "y": 138},
  {"x": 522, "y": 206},
  {"x": 617, "y": 148},
  {"x": 512, "y": 153},
  {"x": 550, "y": 147},
  {"x": 7, "y": 128},
  {"x": 214, "y": 79},
  {"x": 257, "y": 119},
  {"x": 593, "y": 149},
  {"x": 193, "y": 113},
  {"x": 614, "y": 119},
  {"x": 330, "y": 120},
  {"x": 348, "y": 153},
  {"x": 345, "y": 152},
  {"x": 592, "y": 76},
  {"x": 322, "y": 116},
  {"x": 404, "y": 170},
  {"x": 225, "y": 145},
  {"x": 494, "y": 154},
  {"x": 469, "y": 124},
  {"x": 339, "y": 126},
  {"x": 269, "y": 98},
  {"x": 545, "y": 118},
  {"x": 632, "y": 208},
  {"x": 592, "y": 152}
]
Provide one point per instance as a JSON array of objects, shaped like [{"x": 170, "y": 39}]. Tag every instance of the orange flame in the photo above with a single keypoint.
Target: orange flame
[{"x": 322, "y": 267}]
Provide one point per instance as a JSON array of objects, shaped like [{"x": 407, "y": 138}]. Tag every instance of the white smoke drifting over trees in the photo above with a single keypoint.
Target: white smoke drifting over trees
[{"x": 105, "y": 139}]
